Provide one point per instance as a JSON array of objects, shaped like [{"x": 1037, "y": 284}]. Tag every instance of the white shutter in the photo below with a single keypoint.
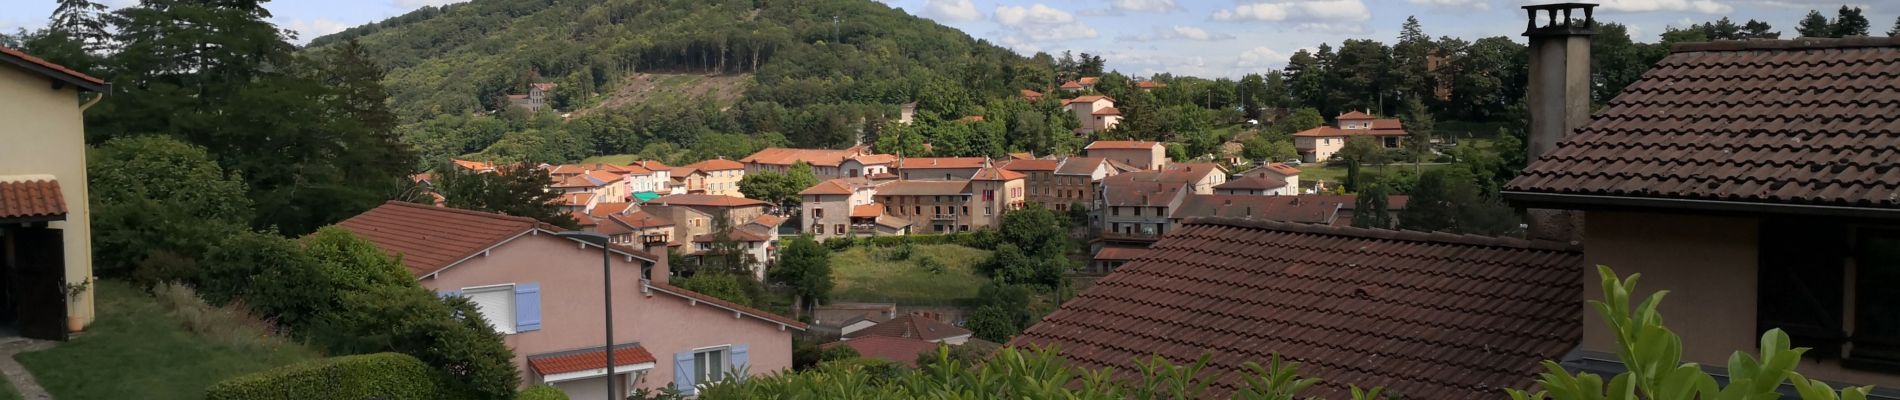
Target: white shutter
[{"x": 497, "y": 304}]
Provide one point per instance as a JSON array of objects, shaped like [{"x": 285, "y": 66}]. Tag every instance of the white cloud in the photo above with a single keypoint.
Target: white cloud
[
  {"x": 952, "y": 10},
  {"x": 1701, "y": 6},
  {"x": 1178, "y": 32},
  {"x": 419, "y": 3},
  {"x": 1144, "y": 5},
  {"x": 1042, "y": 23},
  {"x": 1472, "y": 4},
  {"x": 1260, "y": 57},
  {"x": 1297, "y": 10},
  {"x": 311, "y": 29}
]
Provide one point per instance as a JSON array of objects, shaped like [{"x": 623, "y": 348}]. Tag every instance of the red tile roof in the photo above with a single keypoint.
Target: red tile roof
[
  {"x": 1355, "y": 116},
  {"x": 52, "y": 70},
  {"x": 1301, "y": 209},
  {"x": 1112, "y": 253},
  {"x": 1252, "y": 183},
  {"x": 602, "y": 210},
  {"x": 1807, "y": 122},
  {"x": 1087, "y": 99},
  {"x": 867, "y": 210},
  {"x": 717, "y": 164},
  {"x": 476, "y": 166},
  {"x": 1071, "y": 85},
  {"x": 893, "y": 349},
  {"x": 1282, "y": 168},
  {"x": 641, "y": 220},
  {"x": 1333, "y": 131},
  {"x": 942, "y": 162},
  {"x": 722, "y": 303},
  {"x": 768, "y": 220},
  {"x": 1122, "y": 145},
  {"x": 430, "y": 238},
  {"x": 828, "y": 187},
  {"x": 1424, "y": 315},
  {"x": 588, "y": 359},
  {"x": 34, "y": 197},
  {"x": 1150, "y": 85},
  {"x": 911, "y": 326},
  {"x": 706, "y": 200},
  {"x": 875, "y": 159},
  {"x": 1031, "y": 95},
  {"x": 1089, "y": 80},
  {"x": 785, "y": 157},
  {"x": 1020, "y": 165},
  {"x": 1079, "y": 165},
  {"x": 1108, "y": 111},
  {"x": 995, "y": 174},
  {"x": 1387, "y": 124}
]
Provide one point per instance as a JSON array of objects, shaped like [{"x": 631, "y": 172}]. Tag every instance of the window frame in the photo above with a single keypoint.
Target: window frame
[{"x": 507, "y": 289}]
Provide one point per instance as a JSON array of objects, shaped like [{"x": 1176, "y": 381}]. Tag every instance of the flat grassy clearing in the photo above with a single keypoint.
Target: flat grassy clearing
[
  {"x": 139, "y": 349},
  {"x": 866, "y": 274},
  {"x": 619, "y": 159},
  {"x": 1336, "y": 173},
  {"x": 7, "y": 392}
]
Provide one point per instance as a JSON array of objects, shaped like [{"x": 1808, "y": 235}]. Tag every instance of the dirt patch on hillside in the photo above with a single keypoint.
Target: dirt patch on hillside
[{"x": 644, "y": 87}]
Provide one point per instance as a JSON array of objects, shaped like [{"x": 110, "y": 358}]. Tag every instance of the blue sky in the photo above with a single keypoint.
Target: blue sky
[{"x": 1211, "y": 38}]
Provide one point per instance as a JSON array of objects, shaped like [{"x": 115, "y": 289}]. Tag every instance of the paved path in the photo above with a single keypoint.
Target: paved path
[{"x": 22, "y": 380}]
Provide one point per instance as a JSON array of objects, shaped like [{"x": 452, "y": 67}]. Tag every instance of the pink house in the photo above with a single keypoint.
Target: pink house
[{"x": 544, "y": 294}]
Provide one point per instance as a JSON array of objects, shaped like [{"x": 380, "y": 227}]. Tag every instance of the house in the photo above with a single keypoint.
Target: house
[
  {"x": 45, "y": 222},
  {"x": 901, "y": 350},
  {"x": 636, "y": 227},
  {"x": 581, "y": 203},
  {"x": 1031, "y": 95},
  {"x": 953, "y": 206},
  {"x": 872, "y": 220},
  {"x": 718, "y": 177},
  {"x": 1394, "y": 205},
  {"x": 758, "y": 245},
  {"x": 914, "y": 327},
  {"x": 1108, "y": 258},
  {"x": 539, "y": 96},
  {"x": 1140, "y": 154},
  {"x": 907, "y": 113},
  {"x": 1366, "y": 307},
  {"x": 864, "y": 165},
  {"x": 1147, "y": 85},
  {"x": 825, "y": 163},
  {"x": 1096, "y": 113},
  {"x": 1077, "y": 177},
  {"x": 1039, "y": 180},
  {"x": 831, "y": 207},
  {"x": 1137, "y": 205},
  {"x": 1318, "y": 145},
  {"x": 1270, "y": 179},
  {"x": 610, "y": 186},
  {"x": 939, "y": 168},
  {"x": 645, "y": 184},
  {"x": 696, "y": 214},
  {"x": 543, "y": 293},
  {"x": 846, "y": 316},
  {"x": 1086, "y": 83},
  {"x": 1754, "y": 180},
  {"x": 473, "y": 166}
]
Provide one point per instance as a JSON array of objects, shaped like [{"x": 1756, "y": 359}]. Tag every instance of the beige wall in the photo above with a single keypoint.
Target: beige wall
[
  {"x": 938, "y": 174},
  {"x": 571, "y": 308},
  {"x": 44, "y": 133},
  {"x": 1318, "y": 149},
  {"x": 837, "y": 212},
  {"x": 724, "y": 183},
  {"x": 1153, "y": 158},
  {"x": 908, "y": 207}
]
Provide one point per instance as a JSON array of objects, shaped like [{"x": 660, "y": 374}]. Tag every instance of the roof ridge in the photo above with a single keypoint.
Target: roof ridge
[
  {"x": 1388, "y": 234},
  {"x": 466, "y": 212},
  {"x": 1803, "y": 43}
]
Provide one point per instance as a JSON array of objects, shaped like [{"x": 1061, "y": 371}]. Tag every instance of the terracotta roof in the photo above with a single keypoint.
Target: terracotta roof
[
  {"x": 641, "y": 220},
  {"x": 574, "y": 199},
  {"x": 1071, "y": 85},
  {"x": 1150, "y": 85},
  {"x": 1282, "y": 168},
  {"x": 923, "y": 188},
  {"x": 828, "y": 187},
  {"x": 867, "y": 210},
  {"x": 875, "y": 159},
  {"x": 51, "y": 70},
  {"x": 785, "y": 156},
  {"x": 31, "y": 197},
  {"x": 717, "y": 164},
  {"x": 911, "y": 326},
  {"x": 1113, "y": 253},
  {"x": 1022, "y": 156},
  {"x": 1108, "y": 111},
  {"x": 942, "y": 162},
  {"x": 703, "y": 298},
  {"x": 652, "y": 165},
  {"x": 1031, "y": 165},
  {"x": 1354, "y": 116},
  {"x": 1387, "y": 123},
  {"x": 680, "y": 173},
  {"x": 1090, "y": 80},
  {"x": 581, "y": 218},
  {"x": 1031, "y": 94},
  {"x": 1087, "y": 99},
  {"x": 430, "y": 238},
  {"x": 768, "y": 220},
  {"x": 706, "y": 200},
  {"x": 894, "y": 349},
  {"x": 995, "y": 174},
  {"x": 591, "y": 179},
  {"x": 1252, "y": 183},
  {"x": 1299, "y": 209},
  {"x": 1079, "y": 165},
  {"x": 544, "y": 86},
  {"x": 1424, "y": 315},
  {"x": 1333, "y": 131},
  {"x": 588, "y": 359},
  {"x": 1349, "y": 202},
  {"x": 476, "y": 166},
  {"x": 1807, "y": 122},
  {"x": 1122, "y": 145},
  {"x": 602, "y": 210}
]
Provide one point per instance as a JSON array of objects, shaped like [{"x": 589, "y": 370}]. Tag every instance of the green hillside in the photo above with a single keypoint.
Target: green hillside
[{"x": 812, "y": 80}]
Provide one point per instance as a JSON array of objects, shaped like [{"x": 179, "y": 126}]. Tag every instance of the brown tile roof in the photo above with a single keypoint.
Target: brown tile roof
[
  {"x": 1333, "y": 131},
  {"x": 1252, "y": 183},
  {"x": 717, "y": 164},
  {"x": 641, "y": 220},
  {"x": 911, "y": 326},
  {"x": 828, "y": 187},
  {"x": 1349, "y": 202},
  {"x": 1022, "y": 156},
  {"x": 1020, "y": 165},
  {"x": 1071, "y": 85},
  {"x": 942, "y": 162},
  {"x": 923, "y": 188},
  {"x": 1108, "y": 111},
  {"x": 1087, "y": 99},
  {"x": 894, "y": 349},
  {"x": 706, "y": 200},
  {"x": 1424, "y": 315},
  {"x": 575, "y": 199},
  {"x": 602, "y": 210},
  {"x": 35, "y": 197},
  {"x": 1150, "y": 85},
  {"x": 875, "y": 159},
  {"x": 1089, "y": 80},
  {"x": 1387, "y": 124},
  {"x": 652, "y": 165},
  {"x": 51, "y": 70},
  {"x": 1079, "y": 165},
  {"x": 582, "y": 218},
  {"x": 1807, "y": 122},
  {"x": 1299, "y": 209},
  {"x": 1031, "y": 94},
  {"x": 1122, "y": 145},
  {"x": 867, "y": 210},
  {"x": 785, "y": 156},
  {"x": 1282, "y": 168},
  {"x": 1113, "y": 253},
  {"x": 995, "y": 174},
  {"x": 722, "y": 303},
  {"x": 587, "y": 359},
  {"x": 1355, "y": 115},
  {"x": 430, "y": 238},
  {"x": 476, "y": 166}
]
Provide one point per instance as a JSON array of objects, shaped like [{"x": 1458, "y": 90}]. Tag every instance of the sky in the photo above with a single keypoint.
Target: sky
[{"x": 1209, "y": 38}]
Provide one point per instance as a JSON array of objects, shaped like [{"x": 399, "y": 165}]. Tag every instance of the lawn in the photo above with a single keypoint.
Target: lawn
[
  {"x": 139, "y": 349},
  {"x": 866, "y": 274},
  {"x": 619, "y": 159},
  {"x": 7, "y": 392},
  {"x": 1335, "y": 173}
]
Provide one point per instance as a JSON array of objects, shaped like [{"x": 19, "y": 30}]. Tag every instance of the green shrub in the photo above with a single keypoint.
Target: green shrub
[
  {"x": 541, "y": 392},
  {"x": 930, "y": 264},
  {"x": 449, "y": 334},
  {"x": 387, "y": 376}
]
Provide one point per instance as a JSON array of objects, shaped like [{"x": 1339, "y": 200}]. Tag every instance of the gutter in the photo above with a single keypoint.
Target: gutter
[{"x": 1572, "y": 201}]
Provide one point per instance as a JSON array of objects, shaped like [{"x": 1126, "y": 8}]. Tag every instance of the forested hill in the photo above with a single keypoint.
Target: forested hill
[{"x": 462, "y": 58}]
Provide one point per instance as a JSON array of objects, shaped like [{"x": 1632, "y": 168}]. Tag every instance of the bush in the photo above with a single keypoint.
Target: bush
[
  {"x": 541, "y": 392},
  {"x": 387, "y": 376},
  {"x": 449, "y": 334},
  {"x": 930, "y": 264}
]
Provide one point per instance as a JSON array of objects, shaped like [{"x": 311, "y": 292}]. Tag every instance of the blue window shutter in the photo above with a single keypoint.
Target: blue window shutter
[
  {"x": 683, "y": 373},
  {"x": 739, "y": 361},
  {"x": 528, "y": 307}
]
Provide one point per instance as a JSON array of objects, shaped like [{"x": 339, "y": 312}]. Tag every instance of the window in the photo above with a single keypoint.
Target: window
[
  {"x": 918, "y": 210},
  {"x": 818, "y": 229},
  {"x": 1137, "y": 210},
  {"x": 946, "y": 177},
  {"x": 817, "y": 213},
  {"x": 709, "y": 365},
  {"x": 1160, "y": 211},
  {"x": 1876, "y": 305},
  {"x": 839, "y": 228},
  {"x": 1800, "y": 282},
  {"x": 497, "y": 305},
  {"x": 966, "y": 210},
  {"x": 1116, "y": 211}
]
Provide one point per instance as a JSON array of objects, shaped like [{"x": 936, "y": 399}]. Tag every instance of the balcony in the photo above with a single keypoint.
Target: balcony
[
  {"x": 943, "y": 217},
  {"x": 863, "y": 228}
]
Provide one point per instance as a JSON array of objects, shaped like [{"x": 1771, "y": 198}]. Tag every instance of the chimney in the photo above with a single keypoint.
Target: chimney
[
  {"x": 1559, "y": 96},
  {"x": 661, "y": 273}
]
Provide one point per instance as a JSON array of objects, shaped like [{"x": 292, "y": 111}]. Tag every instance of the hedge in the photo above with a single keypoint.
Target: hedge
[
  {"x": 542, "y": 392},
  {"x": 385, "y": 376}
]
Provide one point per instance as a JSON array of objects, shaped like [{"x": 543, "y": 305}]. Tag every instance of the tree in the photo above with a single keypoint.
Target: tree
[
  {"x": 1815, "y": 25},
  {"x": 1254, "y": 95},
  {"x": 1450, "y": 200},
  {"x": 728, "y": 286},
  {"x": 992, "y": 323},
  {"x": 1896, "y": 28},
  {"x": 1419, "y": 130},
  {"x": 154, "y": 195},
  {"x": 1034, "y": 247},
  {"x": 1371, "y": 209},
  {"x": 780, "y": 188},
  {"x": 1300, "y": 120},
  {"x": 1849, "y": 21},
  {"x": 518, "y": 190},
  {"x": 805, "y": 267},
  {"x": 1410, "y": 59},
  {"x": 1359, "y": 152},
  {"x": 1273, "y": 148},
  {"x": 82, "y": 20}
]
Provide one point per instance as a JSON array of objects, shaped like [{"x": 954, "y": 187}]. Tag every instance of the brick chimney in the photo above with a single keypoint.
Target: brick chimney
[
  {"x": 661, "y": 273},
  {"x": 1559, "y": 96}
]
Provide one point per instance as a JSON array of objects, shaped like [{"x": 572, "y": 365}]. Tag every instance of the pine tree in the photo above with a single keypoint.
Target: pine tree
[
  {"x": 1370, "y": 209},
  {"x": 82, "y": 20},
  {"x": 1896, "y": 27},
  {"x": 1815, "y": 25},
  {"x": 1410, "y": 61},
  {"x": 1849, "y": 21}
]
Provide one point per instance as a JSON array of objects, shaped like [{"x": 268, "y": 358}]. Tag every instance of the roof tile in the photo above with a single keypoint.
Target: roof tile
[
  {"x": 30, "y": 197},
  {"x": 582, "y": 360}
]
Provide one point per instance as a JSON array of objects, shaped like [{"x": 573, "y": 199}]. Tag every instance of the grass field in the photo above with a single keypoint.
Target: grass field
[
  {"x": 621, "y": 159},
  {"x": 138, "y": 349},
  {"x": 865, "y": 274},
  {"x": 1334, "y": 174},
  {"x": 7, "y": 392}
]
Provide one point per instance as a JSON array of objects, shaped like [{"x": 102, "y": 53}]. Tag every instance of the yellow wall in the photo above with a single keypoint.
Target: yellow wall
[{"x": 43, "y": 133}]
